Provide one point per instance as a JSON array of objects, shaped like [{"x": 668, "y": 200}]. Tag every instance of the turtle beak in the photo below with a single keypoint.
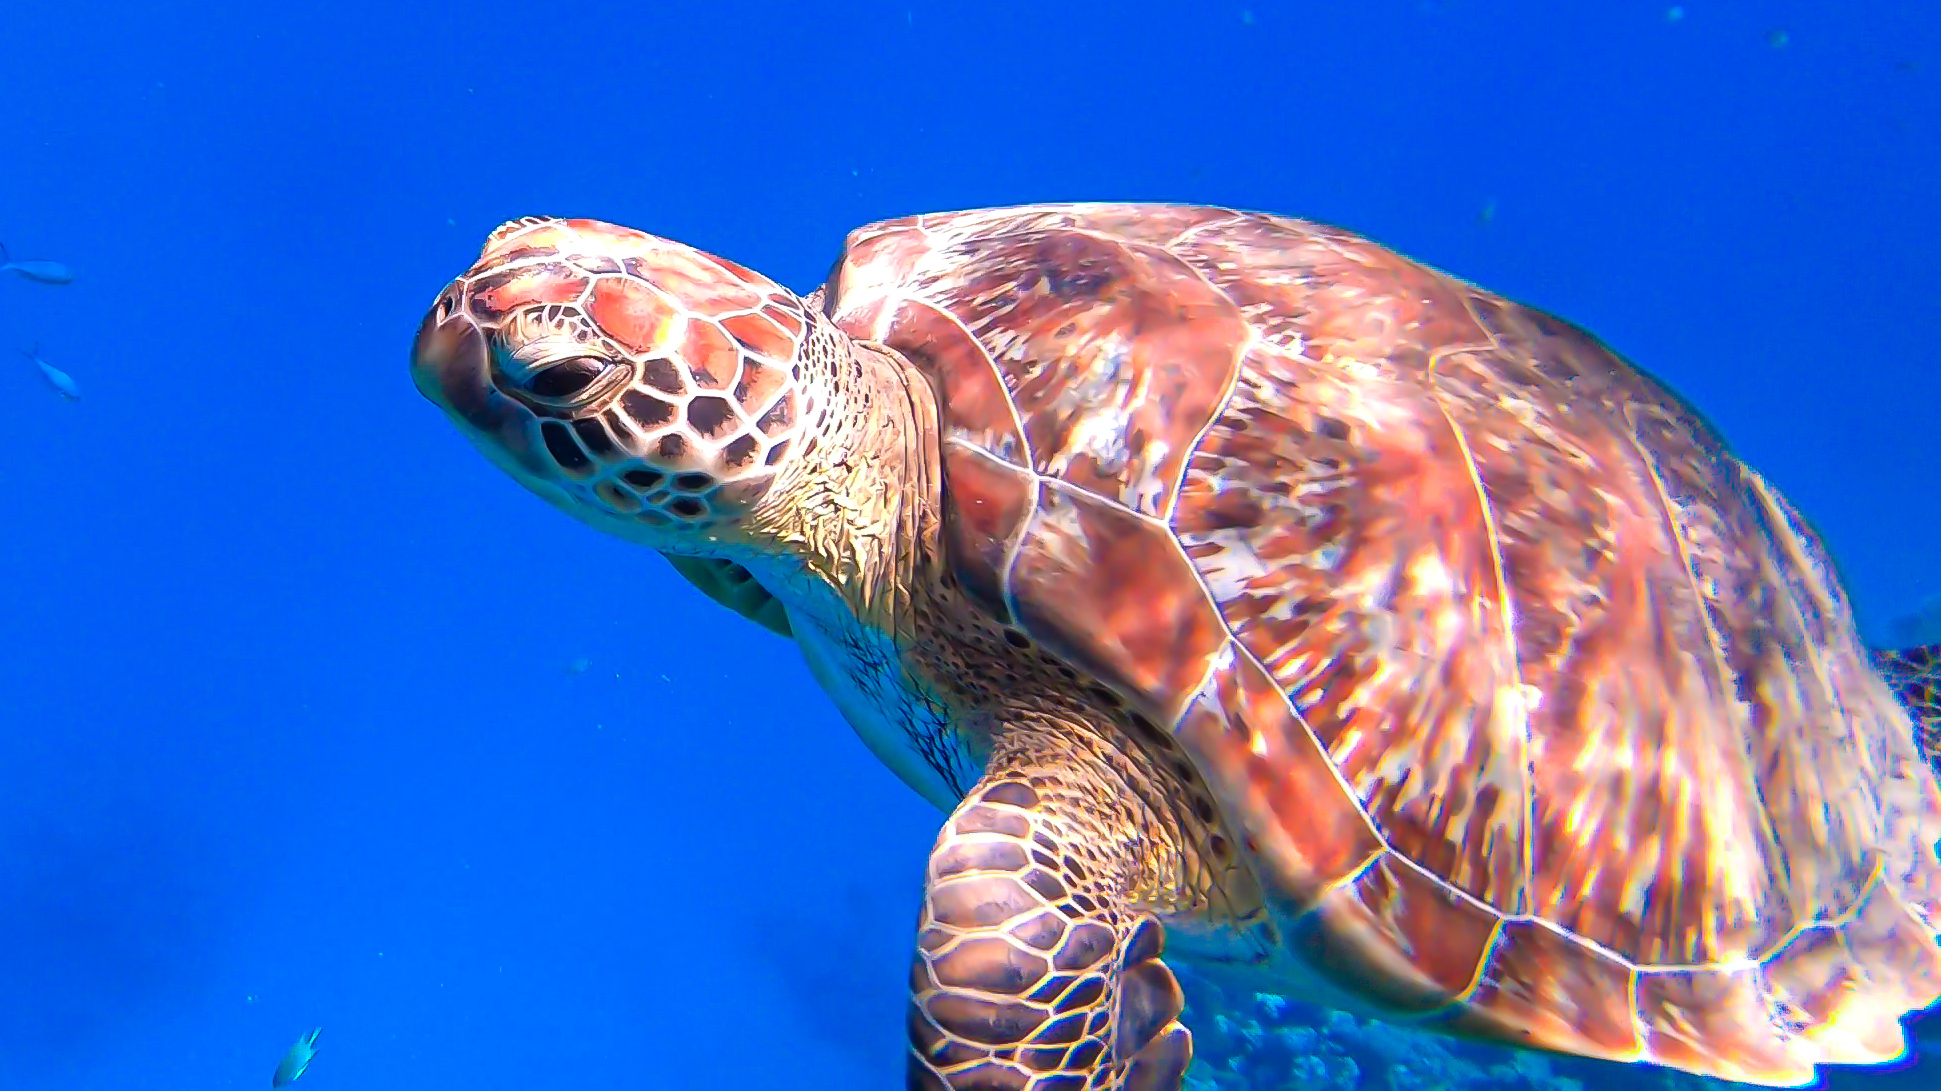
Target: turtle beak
[
  {"x": 449, "y": 361},
  {"x": 451, "y": 366}
]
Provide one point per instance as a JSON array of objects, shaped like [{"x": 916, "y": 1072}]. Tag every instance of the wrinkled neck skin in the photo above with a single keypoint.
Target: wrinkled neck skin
[{"x": 860, "y": 514}]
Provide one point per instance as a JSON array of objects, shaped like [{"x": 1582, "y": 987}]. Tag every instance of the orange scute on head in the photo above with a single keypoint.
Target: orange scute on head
[
  {"x": 632, "y": 314},
  {"x": 760, "y": 385},
  {"x": 612, "y": 239},
  {"x": 547, "y": 236},
  {"x": 531, "y": 234},
  {"x": 710, "y": 355},
  {"x": 762, "y": 335},
  {"x": 507, "y": 292},
  {"x": 501, "y": 237},
  {"x": 707, "y": 288}
]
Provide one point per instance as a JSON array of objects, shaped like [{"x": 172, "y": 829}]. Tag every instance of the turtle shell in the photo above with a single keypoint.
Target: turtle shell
[{"x": 1540, "y": 715}]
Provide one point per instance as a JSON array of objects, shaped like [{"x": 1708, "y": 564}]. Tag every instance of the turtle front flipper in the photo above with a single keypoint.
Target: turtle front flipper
[
  {"x": 1032, "y": 971},
  {"x": 733, "y": 586}
]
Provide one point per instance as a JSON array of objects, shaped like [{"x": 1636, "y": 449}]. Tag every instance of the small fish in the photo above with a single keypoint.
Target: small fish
[
  {"x": 36, "y": 269},
  {"x": 58, "y": 379},
  {"x": 297, "y": 1060}
]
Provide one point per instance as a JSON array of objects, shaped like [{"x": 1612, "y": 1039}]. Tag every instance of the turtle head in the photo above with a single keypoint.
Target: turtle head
[
  {"x": 650, "y": 389},
  {"x": 674, "y": 398}
]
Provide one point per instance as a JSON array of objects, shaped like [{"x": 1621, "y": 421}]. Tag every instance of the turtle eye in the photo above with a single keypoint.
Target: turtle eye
[{"x": 566, "y": 379}]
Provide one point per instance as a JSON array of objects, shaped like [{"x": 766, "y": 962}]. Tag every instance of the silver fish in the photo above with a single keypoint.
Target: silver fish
[
  {"x": 297, "y": 1060},
  {"x": 36, "y": 269},
  {"x": 58, "y": 379}
]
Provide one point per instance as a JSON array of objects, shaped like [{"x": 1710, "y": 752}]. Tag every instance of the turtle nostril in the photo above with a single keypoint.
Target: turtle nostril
[{"x": 567, "y": 378}]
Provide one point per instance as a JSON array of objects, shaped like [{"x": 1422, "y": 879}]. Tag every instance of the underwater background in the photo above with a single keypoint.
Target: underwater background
[{"x": 310, "y": 717}]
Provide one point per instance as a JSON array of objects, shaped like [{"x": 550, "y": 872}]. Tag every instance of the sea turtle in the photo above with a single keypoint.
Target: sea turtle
[{"x": 1250, "y": 595}]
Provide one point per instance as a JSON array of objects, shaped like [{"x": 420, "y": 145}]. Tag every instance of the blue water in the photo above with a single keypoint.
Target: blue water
[{"x": 292, "y": 732}]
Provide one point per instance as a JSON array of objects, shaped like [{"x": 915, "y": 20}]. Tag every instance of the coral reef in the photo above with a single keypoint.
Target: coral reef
[{"x": 1264, "y": 1042}]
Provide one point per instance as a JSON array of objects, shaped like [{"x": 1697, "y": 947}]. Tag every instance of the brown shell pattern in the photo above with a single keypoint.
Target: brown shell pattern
[{"x": 1542, "y": 714}]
